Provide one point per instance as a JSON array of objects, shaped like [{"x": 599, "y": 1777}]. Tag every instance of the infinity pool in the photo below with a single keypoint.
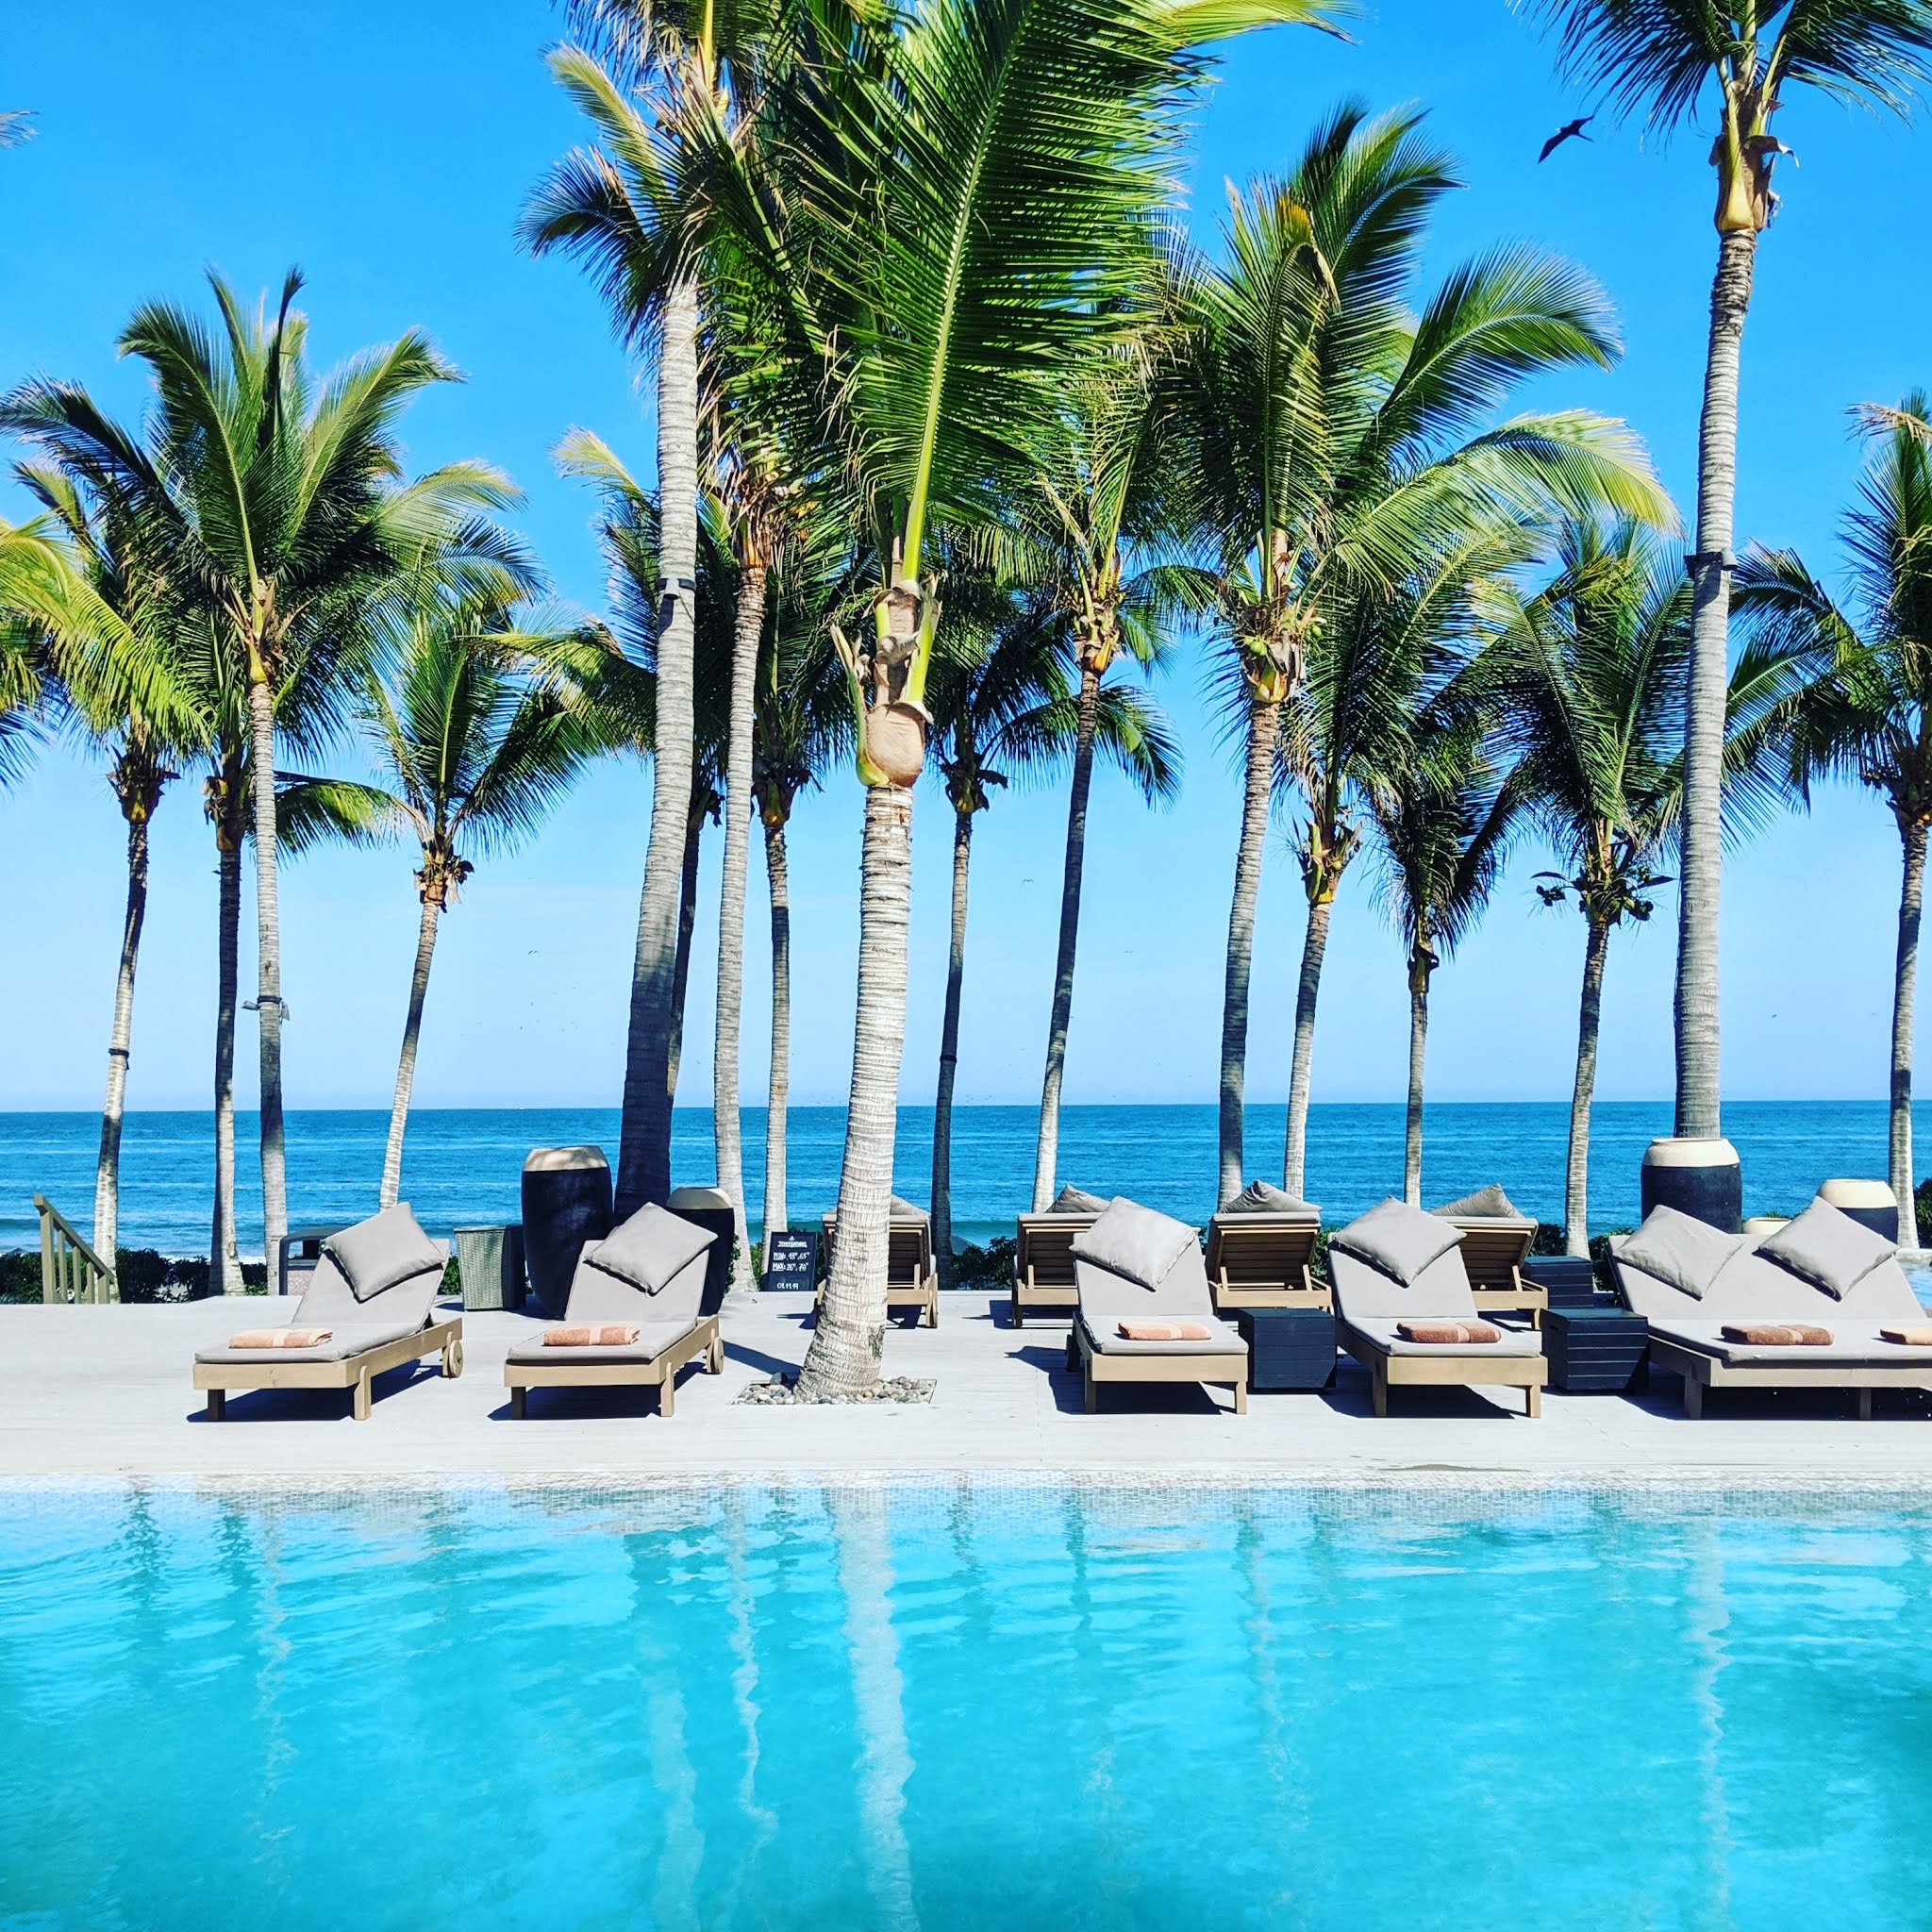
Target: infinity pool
[{"x": 972, "y": 1706}]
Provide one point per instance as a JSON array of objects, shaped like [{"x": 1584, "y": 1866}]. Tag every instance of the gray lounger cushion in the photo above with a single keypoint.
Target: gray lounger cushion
[
  {"x": 1486, "y": 1204},
  {"x": 1107, "y": 1299},
  {"x": 1072, "y": 1200},
  {"x": 651, "y": 1248},
  {"x": 1680, "y": 1249},
  {"x": 1257, "y": 1197},
  {"x": 1380, "y": 1329},
  {"x": 902, "y": 1209},
  {"x": 1441, "y": 1291},
  {"x": 1221, "y": 1340},
  {"x": 345, "y": 1339},
  {"x": 1136, "y": 1242},
  {"x": 654, "y": 1338},
  {"x": 1399, "y": 1240},
  {"x": 1827, "y": 1248},
  {"x": 1750, "y": 1288},
  {"x": 380, "y": 1252},
  {"x": 1854, "y": 1344}
]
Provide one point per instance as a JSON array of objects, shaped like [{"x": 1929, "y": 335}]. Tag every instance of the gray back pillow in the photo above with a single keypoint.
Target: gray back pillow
[
  {"x": 1680, "y": 1249},
  {"x": 1827, "y": 1248},
  {"x": 1257, "y": 1197},
  {"x": 1486, "y": 1204},
  {"x": 1071, "y": 1200},
  {"x": 385, "y": 1249},
  {"x": 650, "y": 1248},
  {"x": 1136, "y": 1242},
  {"x": 1399, "y": 1240}
]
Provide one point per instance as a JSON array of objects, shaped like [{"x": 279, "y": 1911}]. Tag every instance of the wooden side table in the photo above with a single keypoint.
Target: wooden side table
[{"x": 1288, "y": 1348}]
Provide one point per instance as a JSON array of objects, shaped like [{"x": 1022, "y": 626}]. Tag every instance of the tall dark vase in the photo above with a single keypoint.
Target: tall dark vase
[
  {"x": 567, "y": 1204},
  {"x": 1700, "y": 1178}
]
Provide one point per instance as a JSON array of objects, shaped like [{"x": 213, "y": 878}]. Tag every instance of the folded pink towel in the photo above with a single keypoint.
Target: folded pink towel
[
  {"x": 1918, "y": 1336},
  {"x": 1448, "y": 1333},
  {"x": 281, "y": 1338},
  {"x": 1778, "y": 1334},
  {"x": 1164, "y": 1331},
  {"x": 592, "y": 1335}
]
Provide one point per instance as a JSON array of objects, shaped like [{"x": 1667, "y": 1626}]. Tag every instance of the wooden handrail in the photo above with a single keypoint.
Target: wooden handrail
[{"x": 70, "y": 1269}]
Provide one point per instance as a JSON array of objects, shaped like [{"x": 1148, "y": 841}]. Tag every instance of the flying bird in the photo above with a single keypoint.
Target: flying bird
[{"x": 1570, "y": 130}]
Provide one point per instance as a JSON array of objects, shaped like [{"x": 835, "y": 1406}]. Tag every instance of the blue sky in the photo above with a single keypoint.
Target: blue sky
[{"x": 387, "y": 150}]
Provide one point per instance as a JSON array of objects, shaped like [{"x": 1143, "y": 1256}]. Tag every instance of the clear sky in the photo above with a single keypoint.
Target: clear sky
[{"x": 387, "y": 149}]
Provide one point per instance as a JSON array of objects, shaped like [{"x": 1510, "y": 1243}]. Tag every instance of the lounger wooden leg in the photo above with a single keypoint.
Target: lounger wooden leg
[
  {"x": 1379, "y": 1390},
  {"x": 217, "y": 1405},
  {"x": 1693, "y": 1397},
  {"x": 1018, "y": 1314},
  {"x": 1072, "y": 1351},
  {"x": 1864, "y": 1405},
  {"x": 932, "y": 1307},
  {"x": 361, "y": 1406},
  {"x": 1092, "y": 1394},
  {"x": 1241, "y": 1398},
  {"x": 667, "y": 1394},
  {"x": 519, "y": 1403},
  {"x": 1534, "y": 1401}
]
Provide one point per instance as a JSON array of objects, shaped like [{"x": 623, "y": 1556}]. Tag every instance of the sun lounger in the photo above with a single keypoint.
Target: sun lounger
[
  {"x": 1107, "y": 1297},
  {"x": 1686, "y": 1337},
  {"x": 394, "y": 1323},
  {"x": 1496, "y": 1241},
  {"x": 676, "y": 1319},
  {"x": 1371, "y": 1303},
  {"x": 1260, "y": 1259},
  {"x": 912, "y": 1276},
  {"x": 1042, "y": 1254}
]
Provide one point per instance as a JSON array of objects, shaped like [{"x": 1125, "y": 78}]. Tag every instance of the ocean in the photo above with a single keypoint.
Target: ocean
[{"x": 463, "y": 1165}]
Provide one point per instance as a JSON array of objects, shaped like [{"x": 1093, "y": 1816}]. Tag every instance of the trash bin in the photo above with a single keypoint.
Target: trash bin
[
  {"x": 491, "y": 1262},
  {"x": 709, "y": 1207},
  {"x": 566, "y": 1204}
]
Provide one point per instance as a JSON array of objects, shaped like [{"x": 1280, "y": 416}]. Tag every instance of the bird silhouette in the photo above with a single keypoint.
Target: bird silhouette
[{"x": 1570, "y": 130}]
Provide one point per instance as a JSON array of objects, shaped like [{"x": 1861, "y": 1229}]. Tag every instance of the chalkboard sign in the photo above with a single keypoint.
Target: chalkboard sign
[{"x": 791, "y": 1260}]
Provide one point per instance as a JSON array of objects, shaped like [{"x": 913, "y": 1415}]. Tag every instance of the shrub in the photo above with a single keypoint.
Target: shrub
[
  {"x": 991, "y": 1267},
  {"x": 19, "y": 1275}
]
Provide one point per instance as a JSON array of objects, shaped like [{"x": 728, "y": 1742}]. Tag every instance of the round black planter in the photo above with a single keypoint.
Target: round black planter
[
  {"x": 1871, "y": 1203},
  {"x": 1697, "y": 1177},
  {"x": 566, "y": 1204}
]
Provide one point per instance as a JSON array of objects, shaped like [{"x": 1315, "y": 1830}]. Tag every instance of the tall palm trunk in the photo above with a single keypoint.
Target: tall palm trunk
[
  {"x": 268, "y": 997},
  {"x": 779, "y": 1079},
  {"x": 687, "y": 922},
  {"x": 1314, "y": 945},
  {"x": 1046, "y": 1158},
  {"x": 405, "y": 1063},
  {"x": 949, "y": 1057},
  {"x": 1263, "y": 720},
  {"x": 643, "y": 1160},
  {"x": 1903, "y": 996},
  {"x": 1699, "y": 893},
  {"x": 1418, "y": 1056},
  {"x": 850, "y": 1337},
  {"x": 225, "y": 1253},
  {"x": 1590, "y": 1011},
  {"x": 139, "y": 792},
  {"x": 749, "y": 624}
]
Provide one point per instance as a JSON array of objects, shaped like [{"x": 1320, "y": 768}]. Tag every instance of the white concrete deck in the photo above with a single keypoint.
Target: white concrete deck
[{"x": 104, "y": 1392}]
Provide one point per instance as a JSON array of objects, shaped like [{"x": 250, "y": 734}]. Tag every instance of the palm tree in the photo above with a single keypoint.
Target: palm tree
[
  {"x": 1329, "y": 431},
  {"x": 1866, "y": 716},
  {"x": 1657, "y": 57},
  {"x": 1594, "y": 694},
  {"x": 278, "y": 501},
  {"x": 1003, "y": 705},
  {"x": 967, "y": 192},
  {"x": 474, "y": 750},
  {"x": 1100, "y": 497},
  {"x": 1444, "y": 822}
]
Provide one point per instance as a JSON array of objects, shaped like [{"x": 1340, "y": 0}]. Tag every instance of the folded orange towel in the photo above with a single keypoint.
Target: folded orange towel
[
  {"x": 1919, "y": 1335},
  {"x": 592, "y": 1335},
  {"x": 281, "y": 1338},
  {"x": 1448, "y": 1333},
  {"x": 1778, "y": 1334},
  {"x": 1164, "y": 1331}
]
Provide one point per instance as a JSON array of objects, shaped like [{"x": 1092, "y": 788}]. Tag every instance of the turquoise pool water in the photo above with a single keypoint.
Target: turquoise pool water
[{"x": 972, "y": 1706}]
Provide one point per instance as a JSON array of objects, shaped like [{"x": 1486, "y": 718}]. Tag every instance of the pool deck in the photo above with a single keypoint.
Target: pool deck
[{"x": 105, "y": 1392}]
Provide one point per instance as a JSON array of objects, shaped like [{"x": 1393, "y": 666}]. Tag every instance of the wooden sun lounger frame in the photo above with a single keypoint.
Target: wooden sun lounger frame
[
  {"x": 1530, "y": 1373},
  {"x": 660, "y": 1370},
  {"x": 1102, "y": 1366},
  {"x": 355, "y": 1372},
  {"x": 1238, "y": 1294},
  {"x": 920, "y": 1290},
  {"x": 1701, "y": 1371},
  {"x": 1029, "y": 1291},
  {"x": 1497, "y": 1278}
]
